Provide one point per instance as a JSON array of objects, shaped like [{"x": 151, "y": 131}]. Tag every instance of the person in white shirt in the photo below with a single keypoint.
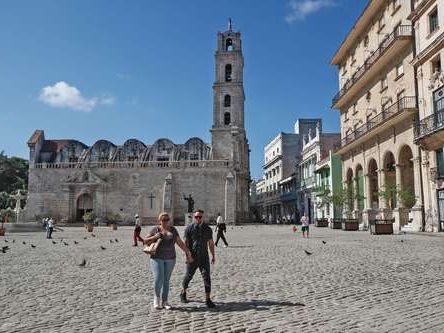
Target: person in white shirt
[
  {"x": 221, "y": 228},
  {"x": 305, "y": 225},
  {"x": 49, "y": 227},
  {"x": 137, "y": 230}
]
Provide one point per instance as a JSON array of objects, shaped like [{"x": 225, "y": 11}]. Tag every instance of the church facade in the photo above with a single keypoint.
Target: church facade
[{"x": 68, "y": 178}]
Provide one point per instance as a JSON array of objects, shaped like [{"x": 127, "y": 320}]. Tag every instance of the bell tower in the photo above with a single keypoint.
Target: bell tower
[
  {"x": 228, "y": 93},
  {"x": 229, "y": 140}
]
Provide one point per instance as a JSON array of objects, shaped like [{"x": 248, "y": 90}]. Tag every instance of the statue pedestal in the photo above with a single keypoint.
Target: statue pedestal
[{"x": 188, "y": 218}]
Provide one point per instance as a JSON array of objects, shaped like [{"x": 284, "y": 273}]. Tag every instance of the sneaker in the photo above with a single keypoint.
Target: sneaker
[
  {"x": 166, "y": 305},
  {"x": 225, "y": 246},
  {"x": 210, "y": 303},
  {"x": 183, "y": 297},
  {"x": 156, "y": 303}
]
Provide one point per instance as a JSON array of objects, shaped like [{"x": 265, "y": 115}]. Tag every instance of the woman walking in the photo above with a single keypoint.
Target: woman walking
[{"x": 163, "y": 261}]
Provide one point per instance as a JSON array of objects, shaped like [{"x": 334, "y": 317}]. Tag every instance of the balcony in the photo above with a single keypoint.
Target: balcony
[
  {"x": 400, "y": 37},
  {"x": 397, "y": 112},
  {"x": 429, "y": 131},
  {"x": 308, "y": 182}
]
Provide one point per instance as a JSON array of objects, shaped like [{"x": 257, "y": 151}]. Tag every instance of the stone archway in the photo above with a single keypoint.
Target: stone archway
[
  {"x": 373, "y": 184},
  {"x": 389, "y": 189},
  {"x": 84, "y": 205},
  {"x": 407, "y": 186}
]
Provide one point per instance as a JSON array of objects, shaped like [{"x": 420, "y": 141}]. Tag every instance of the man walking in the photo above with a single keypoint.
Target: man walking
[
  {"x": 49, "y": 227},
  {"x": 199, "y": 238},
  {"x": 305, "y": 225},
  {"x": 221, "y": 228},
  {"x": 137, "y": 230}
]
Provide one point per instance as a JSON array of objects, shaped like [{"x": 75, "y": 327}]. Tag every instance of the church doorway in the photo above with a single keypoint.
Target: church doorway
[{"x": 84, "y": 205}]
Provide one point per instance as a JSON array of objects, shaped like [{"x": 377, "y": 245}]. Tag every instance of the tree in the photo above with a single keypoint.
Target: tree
[{"x": 13, "y": 177}]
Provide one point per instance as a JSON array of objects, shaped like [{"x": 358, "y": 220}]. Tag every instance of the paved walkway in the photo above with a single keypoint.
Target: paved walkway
[{"x": 264, "y": 282}]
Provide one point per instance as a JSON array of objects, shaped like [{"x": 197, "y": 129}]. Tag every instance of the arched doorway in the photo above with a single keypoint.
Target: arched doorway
[
  {"x": 373, "y": 183},
  {"x": 407, "y": 193},
  {"x": 359, "y": 187},
  {"x": 390, "y": 188},
  {"x": 84, "y": 205},
  {"x": 349, "y": 192}
]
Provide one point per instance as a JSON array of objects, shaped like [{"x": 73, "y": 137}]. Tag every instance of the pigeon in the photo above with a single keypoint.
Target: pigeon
[
  {"x": 324, "y": 242},
  {"x": 402, "y": 241},
  {"x": 93, "y": 235},
  {"x": 65, "y": 243},
  {"x": 116, "y": 240},
  {"x": 54, "y": 242},
  {"x": 75, "y": 242},
  {"x": 24, "y": 243},
  {"x": 6, "y": 241},
  {"x": 33, "y": 246},
  {"x": 85, "y": 237},
  {"x": 308, "y": 253},
  {"x": 4, "y": 248},
  {"x": 13, "y": 240},
  {"x": 83, "y": 263},
  {"x": 111, "y": 241},
  {"x": 102, "y": 247}
]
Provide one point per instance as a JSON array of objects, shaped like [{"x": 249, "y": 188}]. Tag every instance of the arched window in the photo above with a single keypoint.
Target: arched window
[
  {"x": 228, "y": 72},
  {"x": 229, "y": 45},
  {"x": 227, "y": 118},
  {"x": 227, "y": 101}
]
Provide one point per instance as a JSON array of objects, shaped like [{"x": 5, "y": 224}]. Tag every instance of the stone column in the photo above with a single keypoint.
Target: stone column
[
  {"x": 229, "y": 199},
  {"x": 398, "y": 211},
  {"x": 417, "y": 209},
  {"x": 382, "y": 201},
  {"x": 167, "y": 198},
  {"x": 367, "y": 213}
]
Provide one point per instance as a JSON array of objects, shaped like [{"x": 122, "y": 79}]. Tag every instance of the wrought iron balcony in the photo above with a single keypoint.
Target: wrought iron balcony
[
  {"x": 400, "y": 32},
  {"x": 403, "y": 105},
  {"x": 429, "y": 125}
]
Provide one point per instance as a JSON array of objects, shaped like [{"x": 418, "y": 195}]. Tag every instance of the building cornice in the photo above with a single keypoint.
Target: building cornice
[
  {"x": 420, "y": 9},
  {"x": 429, "y": 51}
]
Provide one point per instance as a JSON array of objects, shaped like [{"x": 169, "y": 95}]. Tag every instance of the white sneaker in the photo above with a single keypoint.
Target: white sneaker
[
  {"x": 166, "y": 305},
  {"x": 156, "y": 303}
]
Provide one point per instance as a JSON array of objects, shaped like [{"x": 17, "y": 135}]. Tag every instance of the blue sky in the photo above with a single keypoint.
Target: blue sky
[{"x": 118, "y": 69}]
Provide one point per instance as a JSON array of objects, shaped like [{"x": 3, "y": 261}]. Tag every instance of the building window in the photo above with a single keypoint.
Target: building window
[
  {"x": 436, "y": 65},
  {"x": 227, "y": 118},
  {"x": 368, "y": 96},
  {"x": 381, "y": 23},
  {"x": 229, "y": 45},
  {"x": 228, "y": 72},
  {"x": 354, "y": 108},
  {"x": 395, "y": 5},
  {"x": 399, "y": 70},
  {"x": 440, "y": 162},
  {"x": 353, "y": 57},
  {"x": 384, "y": 83},
  {"x": 274, "y": 172},
  {"x": 227, "y": 101},
  {"x": 366, "y": 41},
  {"x": 438, "y": 103},
  {"x": 433, "y": 21},
  {"x": 277, "y": 170},
  {"x": 277, "y": 150}
]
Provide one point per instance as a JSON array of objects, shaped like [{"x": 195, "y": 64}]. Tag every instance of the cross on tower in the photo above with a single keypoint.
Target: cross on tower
[{"x": 151, "y": 197}]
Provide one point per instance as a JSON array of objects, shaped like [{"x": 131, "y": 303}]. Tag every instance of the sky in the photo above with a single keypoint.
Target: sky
[{"x": 118, "y": 69}]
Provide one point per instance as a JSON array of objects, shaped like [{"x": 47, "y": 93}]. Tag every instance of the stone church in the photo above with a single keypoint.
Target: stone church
[{"x": 68, "y": 178}]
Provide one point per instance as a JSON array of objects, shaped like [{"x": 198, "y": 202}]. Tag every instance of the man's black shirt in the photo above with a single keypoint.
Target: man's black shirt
[{"x": 196, "y": 239}]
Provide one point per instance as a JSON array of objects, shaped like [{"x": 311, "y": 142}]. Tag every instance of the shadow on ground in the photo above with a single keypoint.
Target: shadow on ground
[{"x": 238, "y": 306}]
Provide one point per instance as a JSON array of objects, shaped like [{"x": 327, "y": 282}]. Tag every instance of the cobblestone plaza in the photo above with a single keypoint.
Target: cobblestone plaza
[{"x": 263, "y": 282}]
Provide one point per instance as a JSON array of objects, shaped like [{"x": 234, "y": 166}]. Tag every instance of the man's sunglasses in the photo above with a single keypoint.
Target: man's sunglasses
[{"x": 198, "y": 216}]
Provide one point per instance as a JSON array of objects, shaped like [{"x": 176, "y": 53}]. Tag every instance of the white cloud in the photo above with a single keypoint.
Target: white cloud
[
  {"x": 62, "y": 95},
  {"x": 300, "y": 9}
]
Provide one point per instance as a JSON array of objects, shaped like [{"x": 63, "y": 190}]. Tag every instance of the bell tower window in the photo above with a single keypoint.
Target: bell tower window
[
  {"x": 229, "y": 45},
  {"x": 227, "y": 118},
  {"x": 227, "y": 101},
  {"x": 228, "y": 72}
]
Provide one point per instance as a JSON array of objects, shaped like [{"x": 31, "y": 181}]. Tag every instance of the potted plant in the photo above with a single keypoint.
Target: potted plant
[
  {"x": 89, "y": 218},
  {"x": 113, "y": 219},
  {"x": 381, "y": 226},
  {"x": 323, "y": 194}
]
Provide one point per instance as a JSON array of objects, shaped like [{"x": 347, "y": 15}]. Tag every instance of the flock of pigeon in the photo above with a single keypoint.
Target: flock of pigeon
[{"x": 6, "y": 248}]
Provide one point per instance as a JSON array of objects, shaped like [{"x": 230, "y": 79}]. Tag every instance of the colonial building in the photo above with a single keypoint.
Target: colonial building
[
  {"x": 68, "y": 178},
  {"x": 328, "y": 173},
  {"x": 377, "y": 105},
  {"x": 428, "y": 19},
  {"x": 316, "y": 146},
  {"x": 282, "y": 156}
]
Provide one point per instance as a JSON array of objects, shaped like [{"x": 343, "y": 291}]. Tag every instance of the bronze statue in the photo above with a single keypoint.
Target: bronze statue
[{"x": 190, "y": 203}]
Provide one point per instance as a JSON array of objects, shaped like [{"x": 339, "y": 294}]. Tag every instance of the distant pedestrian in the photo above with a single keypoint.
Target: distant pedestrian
[
  {"x": 305, "y": 225},
  {"x": 137, "y": 230},
  {"x": 49, "y": 227},
  {"x": 163, "y": 261},
  {"x": 221, "y": 228}
]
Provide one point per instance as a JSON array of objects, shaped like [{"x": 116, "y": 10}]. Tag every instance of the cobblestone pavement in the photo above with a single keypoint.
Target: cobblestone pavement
[{"x": 263, "y": 282}]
